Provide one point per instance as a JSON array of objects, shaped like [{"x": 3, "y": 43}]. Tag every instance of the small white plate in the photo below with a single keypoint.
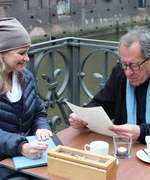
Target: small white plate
[{"x": 143, "y": 156}]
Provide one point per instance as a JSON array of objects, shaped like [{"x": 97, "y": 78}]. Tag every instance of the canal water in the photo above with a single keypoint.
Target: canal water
[{"x": 93, "y": 65}]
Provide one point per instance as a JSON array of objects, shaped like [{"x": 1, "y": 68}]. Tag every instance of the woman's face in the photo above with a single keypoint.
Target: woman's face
[{"x": 15, "y": 60}]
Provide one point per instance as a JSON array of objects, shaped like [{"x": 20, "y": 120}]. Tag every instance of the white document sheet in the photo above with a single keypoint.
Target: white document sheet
[{"x": 97, "y": 119}]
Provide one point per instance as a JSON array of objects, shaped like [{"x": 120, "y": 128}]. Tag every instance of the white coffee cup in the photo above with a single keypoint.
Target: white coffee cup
[
  {"x": 147, "y": 140},
  {"x": 99, "y": 147}
]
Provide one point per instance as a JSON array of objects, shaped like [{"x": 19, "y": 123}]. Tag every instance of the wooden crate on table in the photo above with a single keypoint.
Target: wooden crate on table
[{"x": 77, "y": 164}]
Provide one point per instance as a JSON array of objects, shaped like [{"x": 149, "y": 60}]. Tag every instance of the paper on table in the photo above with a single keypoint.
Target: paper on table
[{"x": 97, "y": 119}]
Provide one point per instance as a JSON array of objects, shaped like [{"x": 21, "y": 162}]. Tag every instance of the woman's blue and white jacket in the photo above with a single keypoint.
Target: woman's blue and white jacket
[{"x": 13, "y": 130}]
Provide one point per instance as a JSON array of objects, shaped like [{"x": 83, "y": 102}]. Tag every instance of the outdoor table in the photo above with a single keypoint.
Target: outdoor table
[{"x": 132, "y": 168}]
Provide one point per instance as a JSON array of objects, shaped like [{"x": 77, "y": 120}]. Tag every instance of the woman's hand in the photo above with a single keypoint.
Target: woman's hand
[
  {"x": 127, "y": 130},
  {"x": 34, "y": 150},
  {"x": 76, "y": 122},
  {"x": 43, "y": 134}
]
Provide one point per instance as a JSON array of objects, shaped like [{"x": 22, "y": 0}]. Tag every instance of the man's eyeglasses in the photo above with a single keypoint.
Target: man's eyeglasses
[{"x": 133, "y": 66}]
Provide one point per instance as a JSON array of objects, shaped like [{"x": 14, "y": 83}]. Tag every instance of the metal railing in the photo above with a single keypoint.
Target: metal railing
[{"x": 62, "y": 68}]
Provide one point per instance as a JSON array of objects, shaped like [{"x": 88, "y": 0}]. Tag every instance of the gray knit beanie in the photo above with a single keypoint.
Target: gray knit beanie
[{"x": 12, "y": 34}]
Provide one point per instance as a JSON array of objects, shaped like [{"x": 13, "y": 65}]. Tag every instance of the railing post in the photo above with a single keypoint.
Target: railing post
[
  {"x": 73, "y": 66},
  {"x": 31, "y": 64},
  {"x": 105, "y": 67}
]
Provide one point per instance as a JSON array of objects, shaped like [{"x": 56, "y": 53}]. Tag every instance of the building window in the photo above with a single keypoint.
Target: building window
[
  {"x": 26, "y": 4},
  {"x": 63, "y": 7},
  {"x": 142, "y": 3},
  {"x": 40, "y": 4}
]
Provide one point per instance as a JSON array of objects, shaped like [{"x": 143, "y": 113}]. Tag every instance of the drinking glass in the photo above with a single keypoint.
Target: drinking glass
[{"x": 122, "y": 147}]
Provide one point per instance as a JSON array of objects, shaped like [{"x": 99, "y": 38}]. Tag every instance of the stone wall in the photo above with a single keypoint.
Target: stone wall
[{"x": 47, "y": 18}]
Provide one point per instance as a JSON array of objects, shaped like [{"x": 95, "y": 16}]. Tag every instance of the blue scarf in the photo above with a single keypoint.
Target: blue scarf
[{"x": 132, "y": 106}]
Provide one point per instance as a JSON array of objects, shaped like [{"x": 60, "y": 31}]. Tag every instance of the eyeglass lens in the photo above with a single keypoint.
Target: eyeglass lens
[{"x": 133, "y": 66}]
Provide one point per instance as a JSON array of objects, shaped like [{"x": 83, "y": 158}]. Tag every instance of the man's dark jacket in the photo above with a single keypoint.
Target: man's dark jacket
[
  {"x": 33, "y": 116},
  {"x": 113, "y": 99}
]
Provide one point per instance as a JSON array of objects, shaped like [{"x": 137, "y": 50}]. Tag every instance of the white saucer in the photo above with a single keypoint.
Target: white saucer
[{"x": 143, "y": 156}]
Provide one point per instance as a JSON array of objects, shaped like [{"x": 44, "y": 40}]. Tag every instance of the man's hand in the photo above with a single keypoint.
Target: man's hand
[
  {"x": 76, "y": 122},
  {"x": 127, "y": 130}
]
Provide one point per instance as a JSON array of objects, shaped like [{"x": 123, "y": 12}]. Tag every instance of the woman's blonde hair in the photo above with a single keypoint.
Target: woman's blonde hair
[{"x": 4, "y": 87}]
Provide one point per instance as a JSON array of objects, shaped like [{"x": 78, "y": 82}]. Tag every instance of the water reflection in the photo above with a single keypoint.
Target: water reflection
[{"x": 94, "y": 70}]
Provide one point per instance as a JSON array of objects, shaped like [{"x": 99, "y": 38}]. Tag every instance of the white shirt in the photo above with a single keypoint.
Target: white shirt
[{"x": 15, "y": 93}]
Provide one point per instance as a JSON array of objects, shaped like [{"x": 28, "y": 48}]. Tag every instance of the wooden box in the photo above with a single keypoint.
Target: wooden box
[{"x": 80, "y": 165}]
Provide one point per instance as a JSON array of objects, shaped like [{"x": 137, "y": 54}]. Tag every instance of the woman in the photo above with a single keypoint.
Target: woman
[{"x": 21, "y": 111}]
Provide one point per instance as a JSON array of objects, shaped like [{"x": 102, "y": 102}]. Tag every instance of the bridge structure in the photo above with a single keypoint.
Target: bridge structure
[{"x": 72, "y": 69}]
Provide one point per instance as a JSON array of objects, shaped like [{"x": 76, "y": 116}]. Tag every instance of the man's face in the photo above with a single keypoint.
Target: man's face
[{"x": 130, "y": 56}]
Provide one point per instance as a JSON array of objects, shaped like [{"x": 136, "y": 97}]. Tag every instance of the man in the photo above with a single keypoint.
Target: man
[{"x": 126, "y": 95}]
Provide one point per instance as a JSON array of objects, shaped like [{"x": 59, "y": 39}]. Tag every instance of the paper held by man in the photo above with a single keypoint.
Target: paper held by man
[{"x": 97, "y": 119}]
